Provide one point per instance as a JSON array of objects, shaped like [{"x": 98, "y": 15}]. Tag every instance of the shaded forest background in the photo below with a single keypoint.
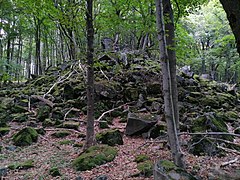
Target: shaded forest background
[{"x": 35, "y": 35}]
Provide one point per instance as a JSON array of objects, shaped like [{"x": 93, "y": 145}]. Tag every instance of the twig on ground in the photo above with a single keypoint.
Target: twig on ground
[
  {"x": 228, "y": 150},
  {"x": 104, "y": 74},
  {"x": 72, "y": 109},
  {"x": 209, "y": 133},
  {"x": 111, "y": 110},
  {"x": 229, "y": 162},
  {"x": 225, "y": 141},
  {"x": 60, "y": 80}
]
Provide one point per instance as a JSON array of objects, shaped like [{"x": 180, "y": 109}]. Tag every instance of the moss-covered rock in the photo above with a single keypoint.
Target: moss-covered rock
[
  {"x": 141, "y": 158},
  {"x": 24, "y": 165},
  {"x": 61, "y": 134},
  {"x": 94, "y": 156},
  {"x": 66, "y": 142},
  {"x": 145, "y": 168},
  {"x": 165, "y": 169},
  {"x": 19, "y": 109},
  {"x": 43, "y": 112},
  {"x": 71, "y": 125},
  {"x": 48, "y": 122},
  {"x": 54, "y": 171},
  {"x": 103, "y": 124},
  {"x": 210, "y": 100},
  {"x": 131, "y": 94},
  {"x": 209, "y": 121},
  {"x": 110, "y": 137},
  {"x": 4, "y": 131},
  {"x": 20, "y": 117},
  {"x": 25, "y": 137},
  {"x": 6, "y": 103},
  {"x": 203, "y": 146},
  {"x": 153, "y": 88}
]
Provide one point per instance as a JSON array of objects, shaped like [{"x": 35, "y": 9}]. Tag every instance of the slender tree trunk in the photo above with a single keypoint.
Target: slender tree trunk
[
  {"x": 38, "y": 63},
  {"x": 170, "y": 39},
  {"x": 8, "y": 54},
  {"x": 90, "y": 140},
  {"x": 167, "y": 86},
  {"x": 29, "y": 59}
]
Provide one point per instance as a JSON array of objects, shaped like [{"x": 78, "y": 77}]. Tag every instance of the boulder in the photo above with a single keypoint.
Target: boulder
[
  {"x": 138, "y": 123},
  {"x": 145, "y": 168},
  {"x": 94, "y": 156},
  {"x": 43, "y": 113},
  {"x": 101, "y": 177},
  {"x": 25, "y": 137},
  {"x": 3, "y": 172},
  {"x": 54, "y": 171},
  {"x": 71, "y": 125},
  {"x": 110, "y": 137},
  {"x": 165, "y": 170}
]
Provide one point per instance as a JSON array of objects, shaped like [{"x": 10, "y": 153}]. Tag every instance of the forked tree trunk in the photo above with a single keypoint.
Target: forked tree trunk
[
  {"x": 90, "y": 140},
  {"x": 168, "y": 86}
]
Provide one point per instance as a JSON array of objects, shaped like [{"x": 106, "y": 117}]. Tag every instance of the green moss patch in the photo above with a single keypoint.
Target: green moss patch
[
  {"x": 145, "y": 168},
  {"x": 4, "y": 131},
  {"x": 66, "y": 142},
  {"x": 25, "y": 165},
  {"x": 94, "y": 156},
  {"x": 141, "y": 158},
  {"x": 110, "y": 137},
  {"x": 25, "y": 137},
  {"x": 61, "y": 134},
  {"x": 54, "y": 171}
]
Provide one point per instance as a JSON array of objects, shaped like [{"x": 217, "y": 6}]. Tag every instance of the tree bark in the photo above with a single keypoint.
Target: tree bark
[
  {"x": 90, "y": 140},
  {"x": 170, "y": 40},
  {"x": 167, "y": 85},
  {"x": 232, "y": 8}
]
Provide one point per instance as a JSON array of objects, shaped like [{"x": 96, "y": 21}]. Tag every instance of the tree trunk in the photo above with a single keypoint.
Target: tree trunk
[
  {"x": 167, "y": 85},
  {"x": 29, "y": 59},
  {"x": 38, "y": 67},
  {"x": 232, "y": 8},
  {"x": 170, "y": 40},
  {"x": 90, "y": 140}
]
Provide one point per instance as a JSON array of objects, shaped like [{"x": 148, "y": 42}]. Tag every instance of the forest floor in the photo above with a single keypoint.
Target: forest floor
[{"x": 47, "y": 153}]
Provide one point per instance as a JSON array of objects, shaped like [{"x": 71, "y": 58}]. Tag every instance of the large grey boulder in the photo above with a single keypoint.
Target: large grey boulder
[{"x": 138, "y": 123}]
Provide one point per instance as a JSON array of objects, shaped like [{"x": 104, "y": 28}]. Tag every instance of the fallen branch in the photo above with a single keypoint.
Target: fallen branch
[
  {"x": 72, "y": 109},
  {"x": 225, "y": 141},
  {"x": 111, "y": 110},
  {"x": 228, "y": 150},
  {"x": 229, "y": 162},
  {"x": 60, "y": 80},
  {"x": 209, "y": 133},
  {"x": 46, "y": 101}
]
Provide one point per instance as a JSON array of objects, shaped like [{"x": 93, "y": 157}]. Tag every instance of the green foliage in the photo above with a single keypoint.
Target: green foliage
[{"x": 141, "y": 158}]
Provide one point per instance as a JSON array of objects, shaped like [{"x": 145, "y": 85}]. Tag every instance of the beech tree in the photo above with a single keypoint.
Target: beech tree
[
  {"x": 90, "y": 140},
  {"x": 168, "y": 65}
]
